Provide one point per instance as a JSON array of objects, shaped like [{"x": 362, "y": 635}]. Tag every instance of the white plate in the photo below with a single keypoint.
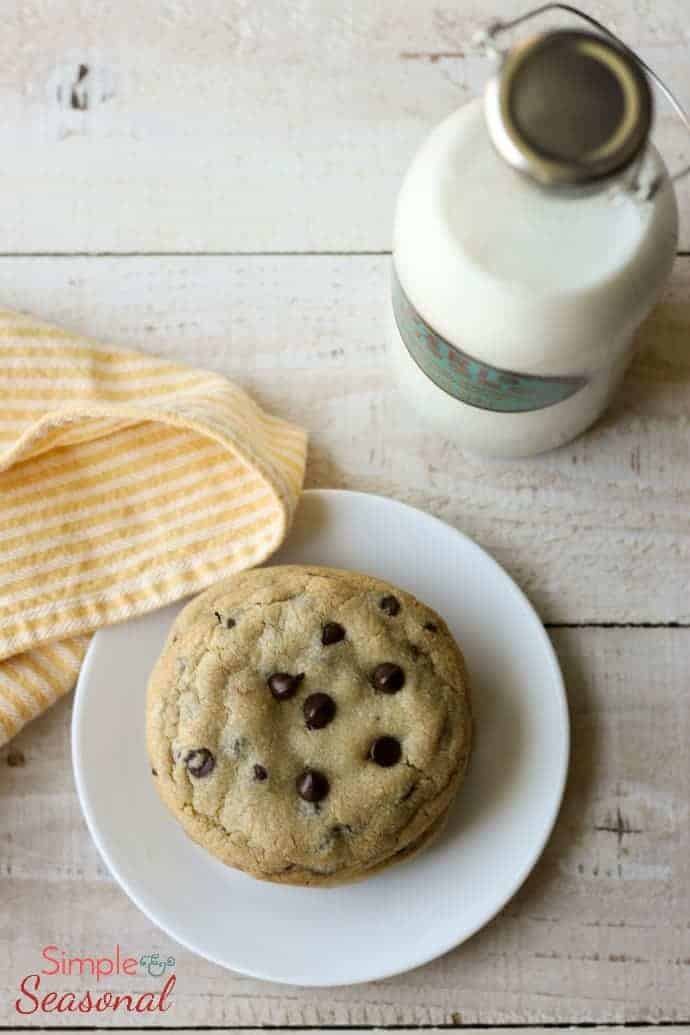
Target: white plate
[{"x": 413, "y": 912}]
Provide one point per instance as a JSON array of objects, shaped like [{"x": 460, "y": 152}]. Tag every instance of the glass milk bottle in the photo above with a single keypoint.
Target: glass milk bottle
[{"x": 534, "y": 231}]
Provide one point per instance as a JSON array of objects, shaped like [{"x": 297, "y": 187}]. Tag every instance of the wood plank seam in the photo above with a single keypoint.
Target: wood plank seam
[
  {"x": 546, "y": 1026},
  {"x": 210, "y": 255},
  {"x": 196, "y": 254},
  {"x": 617, "y": 625},
  {"x": 262, "y": 254}
]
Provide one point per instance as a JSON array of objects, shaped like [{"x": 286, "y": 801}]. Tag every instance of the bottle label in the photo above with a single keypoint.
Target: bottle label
[{"x": 468, "y": 379}]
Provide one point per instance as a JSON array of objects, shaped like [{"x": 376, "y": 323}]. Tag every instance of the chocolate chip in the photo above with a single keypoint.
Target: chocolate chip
[
  {"x": 260, "y": 773},
  {"x": 312, "y": 785},
  {"x": 319, "y": 710},
  {"x": 154, "y": 772},
  {"x": 340, "y": 829},
  {"x": 391, "y": 605},
  {"x": 332, "y": 632},
  {"x": 229, "y": 623},
  {"x": 388, "y": 677},
  {"x": 385, "y": 751},
  {"x": 200, "y": 762},
  {"x": 283, "y": 685},
  {"x": 431, "y": 627},
  {"x": 239, "y": 747}
]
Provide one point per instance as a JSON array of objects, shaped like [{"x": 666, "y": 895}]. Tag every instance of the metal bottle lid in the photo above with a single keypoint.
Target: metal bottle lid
[{"x": 569, "y": 109}]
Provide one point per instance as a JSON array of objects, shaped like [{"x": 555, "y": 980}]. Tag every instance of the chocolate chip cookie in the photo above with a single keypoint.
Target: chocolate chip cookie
[{"x": 308, "y": 725}]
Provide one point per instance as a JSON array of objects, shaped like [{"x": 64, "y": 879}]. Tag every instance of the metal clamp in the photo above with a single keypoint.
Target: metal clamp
[{"x": 485, "y": 41}]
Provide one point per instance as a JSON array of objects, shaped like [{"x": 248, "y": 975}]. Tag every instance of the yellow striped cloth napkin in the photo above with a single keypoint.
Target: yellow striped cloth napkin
[{"x": 125, "y": 482}]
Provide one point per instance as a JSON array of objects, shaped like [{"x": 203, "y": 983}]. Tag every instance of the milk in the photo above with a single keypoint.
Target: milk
[{"x": 518, "y": 305}]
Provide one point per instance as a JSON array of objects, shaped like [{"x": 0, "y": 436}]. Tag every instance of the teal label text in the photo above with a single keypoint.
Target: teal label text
[{"x": 468, "y": 379}]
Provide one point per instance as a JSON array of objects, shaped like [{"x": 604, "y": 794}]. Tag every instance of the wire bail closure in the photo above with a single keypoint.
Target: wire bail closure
[{"x": 485, "y": 42}]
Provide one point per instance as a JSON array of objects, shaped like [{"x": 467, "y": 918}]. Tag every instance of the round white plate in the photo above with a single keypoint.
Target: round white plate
[{"x": 414, "y": 911}]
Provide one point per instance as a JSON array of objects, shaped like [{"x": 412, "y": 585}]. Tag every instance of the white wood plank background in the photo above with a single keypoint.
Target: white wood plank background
[
  {"x": 599, "y": 933},
  {"x": 596, "y": 532},
  {"x": 670, "y": 1029},
  {"x": 276, "y": 127},
  {"x": 281, "y": 125}
]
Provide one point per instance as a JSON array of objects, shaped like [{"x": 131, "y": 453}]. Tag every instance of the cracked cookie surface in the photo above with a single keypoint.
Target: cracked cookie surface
[{"x": 308, "y": 725}]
